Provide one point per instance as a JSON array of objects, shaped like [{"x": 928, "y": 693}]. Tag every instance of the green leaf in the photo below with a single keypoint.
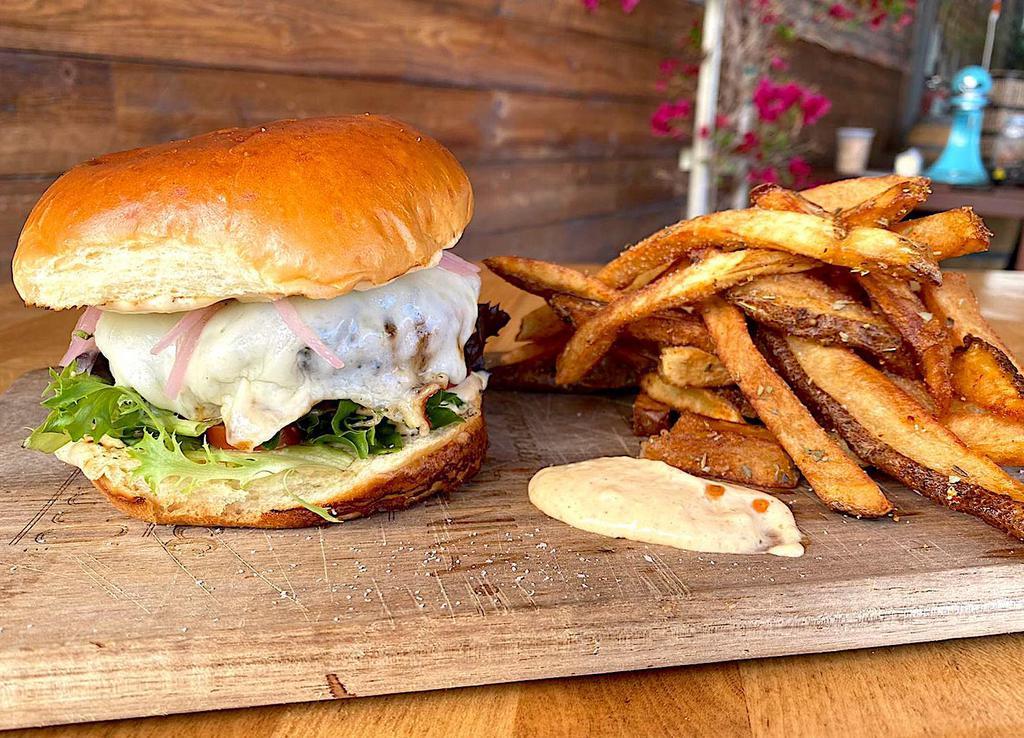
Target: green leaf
[
  {"x": 83, "y": 405},
  {"x": 163, "y": 462},
  {"x": 441, "y": 409}
]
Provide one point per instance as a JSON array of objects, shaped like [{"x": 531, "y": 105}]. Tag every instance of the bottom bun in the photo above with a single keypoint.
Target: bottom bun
[{"x": 438, "y": 462}]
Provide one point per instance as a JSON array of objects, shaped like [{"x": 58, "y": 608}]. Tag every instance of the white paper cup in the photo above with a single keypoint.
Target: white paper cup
[{"x": 853, "y": 146}]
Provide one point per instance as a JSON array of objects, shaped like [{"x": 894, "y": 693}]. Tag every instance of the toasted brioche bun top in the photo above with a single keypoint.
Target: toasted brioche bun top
[{"x": 314, "y": 207}]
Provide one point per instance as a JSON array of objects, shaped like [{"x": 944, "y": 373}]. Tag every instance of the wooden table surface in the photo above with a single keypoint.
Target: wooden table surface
[{"x": 963, "y": 688}]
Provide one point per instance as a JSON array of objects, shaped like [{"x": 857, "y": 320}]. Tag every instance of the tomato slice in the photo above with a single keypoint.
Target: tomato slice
[{"x": 217, "y": 436}]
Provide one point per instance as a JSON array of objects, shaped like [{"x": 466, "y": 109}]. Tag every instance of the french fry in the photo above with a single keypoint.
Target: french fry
[
  {"x": 806, "y": 306},
  {"x": 984, "y": 375},
  {"x": 776, "y": 197},
  {"x": 715, "y": 271},
  {"x": 650, "y": 417},
  {"x": 951, "y": 233},
  {"x": 690, "y": 399},
  {"x": 735, "y": 452},
  {"x": 998, "y": 437},
  {"x": 528, "y": 351},
  {"x": 884, "y": 426},
  {"x": 834, "y": 477},
  {"x": 801, "y": 234},
  {"x": 540, "y": 323},
  {"x": 688, "y": 366},
  {"x": 616, "y": 371},
  {"x": 847, "y": 193},
  {"x": 953, "y": 303},
  {"x": 889, "y": 206},
  {"x": 923, "y": 331},
  {"x": 545, "y": 279},
  {"x": 667, "y": 328}
]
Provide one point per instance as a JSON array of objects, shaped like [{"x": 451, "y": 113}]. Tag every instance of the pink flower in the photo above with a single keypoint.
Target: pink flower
[
  {"x": 800, "y": 170},
  {"x": 669, "y": 65},
  {"x": 591, "y": 5},
  {"x": 773, "y": 100},
  {"x": 904, "y": 20},
  {"x": 749, "y": 143},
  {"x": 778, "y": 64},
  {"x": 661, "y": 85},
  {"x": 691, "y": 70},
  {"x": 840, "y": 12},
  {"x": 814, "y": 106},
  {"x": 766, "y": 175},
  {"x": 667, "y": 115},
  {"x": 721, "y": 121},
  {"x": 877, "y": 21},
  {"x": 770, "y": 19},
  {"x": 705, "y": 132},
  {"x": 629, "y": 5}
]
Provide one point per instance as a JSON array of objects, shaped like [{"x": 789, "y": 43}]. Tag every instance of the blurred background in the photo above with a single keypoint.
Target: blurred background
[{"x": 571, "y": 116}]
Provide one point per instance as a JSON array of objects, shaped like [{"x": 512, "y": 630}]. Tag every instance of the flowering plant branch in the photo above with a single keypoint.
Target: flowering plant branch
[{"x": 763, "y": 111}]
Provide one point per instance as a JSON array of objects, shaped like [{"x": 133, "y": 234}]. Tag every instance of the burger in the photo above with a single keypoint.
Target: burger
[{"x": 274, "y": 332}]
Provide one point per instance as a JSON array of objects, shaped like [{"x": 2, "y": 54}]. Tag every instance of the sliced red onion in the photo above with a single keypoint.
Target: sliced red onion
[
  {"x": 185, "y": 334},
  {"x": 304, "y": 333},
  {"x": 457, "y": 265},
  {"x": 78, "y": 346},
  {"x": 185, "y": 324}
]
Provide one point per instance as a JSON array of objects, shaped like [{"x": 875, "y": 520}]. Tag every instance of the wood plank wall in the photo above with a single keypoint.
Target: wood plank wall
[{"x": 546, "y": 105}]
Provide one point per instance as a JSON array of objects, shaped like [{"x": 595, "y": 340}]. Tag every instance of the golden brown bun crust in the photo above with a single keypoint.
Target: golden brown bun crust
[
  {"x": 309, "y": 207},
  {"x": 443, "y": 468}
]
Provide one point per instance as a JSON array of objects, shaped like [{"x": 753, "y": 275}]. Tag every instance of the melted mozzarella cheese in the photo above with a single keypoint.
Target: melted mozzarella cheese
[{"x": 250, "y": 370}]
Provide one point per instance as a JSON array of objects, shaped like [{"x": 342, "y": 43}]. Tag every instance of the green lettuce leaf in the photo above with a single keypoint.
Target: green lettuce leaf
[
  {"x": 83, "y": 405},
  {"x": 442, "y": 409},
  {"x": 163, "y": 461}
]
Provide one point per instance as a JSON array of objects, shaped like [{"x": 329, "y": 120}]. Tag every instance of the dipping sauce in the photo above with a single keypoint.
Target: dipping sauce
[{"x": 650, "y": 501}]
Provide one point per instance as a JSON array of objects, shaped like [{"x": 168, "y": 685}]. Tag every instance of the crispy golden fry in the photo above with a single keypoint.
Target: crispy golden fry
[
  {"x": 834, "y": 477},
  {"x": 650, "y": 417},
  {"x": 735, "y": 452},
  {"x": 715, "y": 271},
  {"x": 984, "y": 375},
  {"x": 953, "y": 303},
  {"x": 776, "y": 197},
  {"x": 806, "y": 306},
  {"x": 998, "y": 437},
  {"x": 952, "y": 233},
  {"x": 527, "y": 352},
  {"x": 916, "y": 390},
  {"x": 848, "y": 193},
  {"x": 802, "y": 234},
  {"x": 884, "y": 426},
  {"x": 690, "y": 399},
  {"x": 541, "y": 322},
  {"x": 923, "y": 331},
  {"x": 616, "y": 371},
  {"x": 667, "y": 328},
  {"x": 545, "y": 279},
  {"x": 688, "y": 366},
  {"x": 889, "y": 206}
]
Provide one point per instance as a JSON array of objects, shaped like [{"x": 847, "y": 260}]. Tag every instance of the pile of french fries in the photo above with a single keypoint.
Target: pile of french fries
[{"x": 813, "y": 331}]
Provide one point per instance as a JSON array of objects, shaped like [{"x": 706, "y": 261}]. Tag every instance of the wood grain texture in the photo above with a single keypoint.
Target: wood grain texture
[
  {"x": 386, "y": 39},
  {"x": 59, "y": 111},
  {"x": 932, "y": 575}
]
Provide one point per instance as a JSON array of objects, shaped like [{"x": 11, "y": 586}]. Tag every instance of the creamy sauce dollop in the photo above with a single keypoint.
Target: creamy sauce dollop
[{"x": 650, "y": 501}]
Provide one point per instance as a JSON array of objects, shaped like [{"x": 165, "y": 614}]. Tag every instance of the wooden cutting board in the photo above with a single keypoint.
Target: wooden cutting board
[{"x": 102, "y": 616}]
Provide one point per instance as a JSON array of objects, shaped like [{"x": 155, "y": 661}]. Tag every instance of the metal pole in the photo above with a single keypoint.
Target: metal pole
[
  {"x": 698, "y": 199},
  {"x": 990, "y": 34}
]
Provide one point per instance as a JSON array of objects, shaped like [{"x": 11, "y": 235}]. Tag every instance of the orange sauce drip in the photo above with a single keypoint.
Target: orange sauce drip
[
  {"x": 760, "y": 505},
  {"x": 714, "y": 490}
]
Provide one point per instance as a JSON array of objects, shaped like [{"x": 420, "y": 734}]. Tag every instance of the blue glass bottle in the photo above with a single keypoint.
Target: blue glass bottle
[{"x": 960, "y": 162}]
